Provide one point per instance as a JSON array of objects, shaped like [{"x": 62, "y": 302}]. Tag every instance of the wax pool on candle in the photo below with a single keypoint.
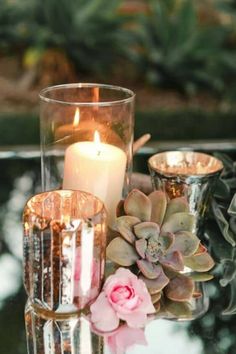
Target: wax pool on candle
[{"x": 96, "y": 168}]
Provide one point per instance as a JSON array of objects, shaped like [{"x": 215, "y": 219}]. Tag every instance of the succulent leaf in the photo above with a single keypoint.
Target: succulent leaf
[
  {"x": 156, "y": 235},
  {"x": 201, "y": 249},
  {"x": 156, "y": 297},
  {"x": 180, "y": 288},
  {"x": 146, "y": 229},
  {"x": 176, "y": 205},
  {"x": 173, "y": 260},
  {"x": 156, "y": 285},
  {"x": 153, "y": 251},
  {"x": 139, "y": 205},
  {"x": 166, "y": 241},
  {"x": 149, "y": 270},
  {"x": 185, "y": 242},
  {"x": 179, "y": 222},
  {"x": 178, "y": 309},
  {"x": 201, "y": 277},
  {"x": 200, "y": 262},
  {"x": 141, "y": 246},
  {"x": 124, "y": 225},
  {"x": 121, "y": 252},
  {"x": 159, "y": 204},
  {"x": 157, "y": 306}
]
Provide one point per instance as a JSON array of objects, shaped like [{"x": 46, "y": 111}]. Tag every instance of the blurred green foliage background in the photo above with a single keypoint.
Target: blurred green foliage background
[
  {"x": 185, "y": 45},
  {"x": 179, "y": 56}
]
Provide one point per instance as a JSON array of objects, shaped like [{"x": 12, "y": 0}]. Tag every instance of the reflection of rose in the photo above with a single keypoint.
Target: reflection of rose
[
  {"x": 125, "y": 337},
  {"x": 93, "y": 274},
  {"x": 124, "y": 297}
]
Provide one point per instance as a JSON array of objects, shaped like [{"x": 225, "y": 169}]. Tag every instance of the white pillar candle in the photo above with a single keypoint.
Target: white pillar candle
[{"x": 96, "y": 168}]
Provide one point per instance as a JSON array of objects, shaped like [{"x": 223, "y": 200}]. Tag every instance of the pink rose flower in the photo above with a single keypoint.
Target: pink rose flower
[
  {"x": 125, "y": 337},
  {"x": 124, "y": 297}
]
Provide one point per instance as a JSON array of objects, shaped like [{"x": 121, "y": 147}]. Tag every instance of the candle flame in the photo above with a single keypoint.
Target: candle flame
[
  {"x": 76, "y": 118},
  {"x": 97, "y": 141}
]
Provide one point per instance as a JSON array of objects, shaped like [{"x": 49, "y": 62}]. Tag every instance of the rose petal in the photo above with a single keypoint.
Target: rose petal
[
  {"x": 120, "y": 277},
  {"x": 128, "y": 296},
  {"x": 125, "y": 338},
  {"x": 101, "y": 306},
  {"x": 134, "y": 319}
]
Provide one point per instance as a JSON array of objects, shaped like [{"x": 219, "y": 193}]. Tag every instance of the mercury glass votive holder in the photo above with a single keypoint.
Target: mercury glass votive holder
[
  {"x": 188, "y": 175},
  {"x": 86, "y": 140},
  {"x": 64, "y": 250},
  {"x": 68, "y": 335}
]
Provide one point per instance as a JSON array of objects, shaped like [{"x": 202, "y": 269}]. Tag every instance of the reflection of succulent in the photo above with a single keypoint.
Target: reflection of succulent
[
  {"x": 223, "y": 243},
  {"x": 187, "y": 309},
  {"x": 223, "y": 210},
  {"x": 157, "y": 238}
]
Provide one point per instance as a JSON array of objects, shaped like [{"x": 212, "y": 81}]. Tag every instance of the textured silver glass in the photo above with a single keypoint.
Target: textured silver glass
[
  {"x": 186, "y": 174},
  {"x": 64, "y": 250},
  {"x": 60, "y": 335}
]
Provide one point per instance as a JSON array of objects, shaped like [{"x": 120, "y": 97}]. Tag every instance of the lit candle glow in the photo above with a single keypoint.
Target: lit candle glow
[{"x": 97, "y": 168}]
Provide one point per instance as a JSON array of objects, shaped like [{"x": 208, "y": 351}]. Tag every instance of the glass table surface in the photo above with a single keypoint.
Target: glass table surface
[{"x": 214, "y": 332}]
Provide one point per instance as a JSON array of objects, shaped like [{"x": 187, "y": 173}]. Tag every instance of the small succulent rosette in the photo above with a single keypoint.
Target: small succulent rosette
[{"x": 156, "y": 240}]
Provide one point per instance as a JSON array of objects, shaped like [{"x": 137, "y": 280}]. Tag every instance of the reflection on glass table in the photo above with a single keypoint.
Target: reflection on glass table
[
  {"x": 47, "y": 333},
  {"x": 214, "y": 332}
]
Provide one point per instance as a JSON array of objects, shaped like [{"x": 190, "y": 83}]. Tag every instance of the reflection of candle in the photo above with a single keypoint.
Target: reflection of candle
[
  {"x": 97, "y": 168},
  {"x": 66, "y": 130},
  {"x": 83, "y": 131}
]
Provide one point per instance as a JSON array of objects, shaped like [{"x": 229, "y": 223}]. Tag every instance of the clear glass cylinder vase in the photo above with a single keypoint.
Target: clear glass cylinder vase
[
  {"x": 86, "y": 140},
  {"x": 64, "y": 250}
]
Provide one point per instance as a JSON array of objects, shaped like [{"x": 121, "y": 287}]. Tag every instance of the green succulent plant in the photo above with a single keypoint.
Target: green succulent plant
[
  {"x": 14, "y": 33},
  {"x": 91, "y": 33},
  {"x": 177, "y": 50},
  {"x": 157, "y": 240}
]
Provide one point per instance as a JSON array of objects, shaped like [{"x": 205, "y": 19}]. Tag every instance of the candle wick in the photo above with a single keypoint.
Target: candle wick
[{"x": 98, "y": 152}]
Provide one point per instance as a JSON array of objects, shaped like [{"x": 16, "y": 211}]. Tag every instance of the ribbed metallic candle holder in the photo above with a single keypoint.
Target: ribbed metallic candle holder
[
  {"x": 64, "y": 250},
  {"x": 188, "y": 175}
]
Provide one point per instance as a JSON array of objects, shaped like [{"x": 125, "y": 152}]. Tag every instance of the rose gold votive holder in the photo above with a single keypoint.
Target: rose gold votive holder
[
  {"x": 188, "y": 175},
  {"x": 64, "y": 250}
]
